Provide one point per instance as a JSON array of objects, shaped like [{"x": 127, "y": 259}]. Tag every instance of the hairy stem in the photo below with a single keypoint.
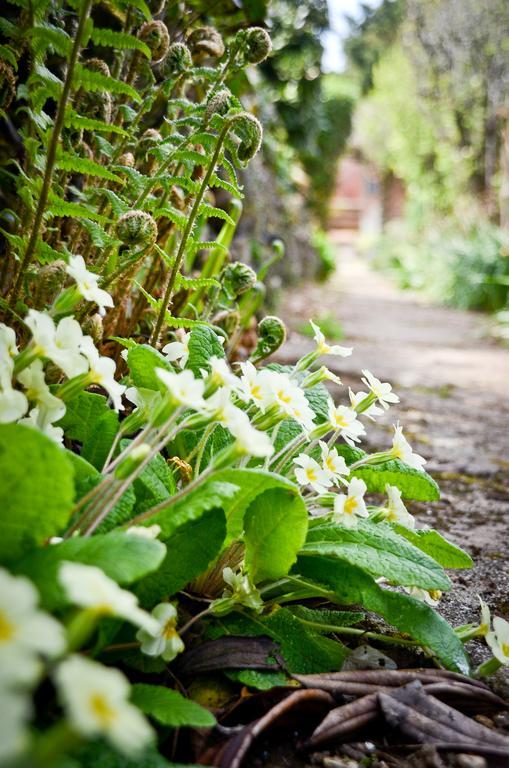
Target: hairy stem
[{"x": 52, "y": 150}]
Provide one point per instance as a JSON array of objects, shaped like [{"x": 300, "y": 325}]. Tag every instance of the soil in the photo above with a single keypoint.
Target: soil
[{"x": 453, "y": 382}]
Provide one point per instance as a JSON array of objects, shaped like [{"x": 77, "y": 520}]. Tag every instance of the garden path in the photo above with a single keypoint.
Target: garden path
[{"x": 453, "y": 382}]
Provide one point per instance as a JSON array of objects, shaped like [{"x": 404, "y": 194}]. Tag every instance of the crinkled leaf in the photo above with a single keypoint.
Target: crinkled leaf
[
  {"x": 412, "y": 483},
  {"x": 203, "y": 344},
  {"x": 36, "y": 489},
  {"x": 275, "y": 527},
  {"x": 441, "y": 550},
  {"x": 143, "y": 361},
  {"x": 377, "y": 549},
  {"x": 122, "y": 556},
  {"x": 169, "y": 707},
  {"x": 82, "y": 412},
  {"x": 99, "y": 439}
]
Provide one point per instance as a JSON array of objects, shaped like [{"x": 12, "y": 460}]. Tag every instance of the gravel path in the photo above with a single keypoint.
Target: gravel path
[{"x": 454, "y": 388}]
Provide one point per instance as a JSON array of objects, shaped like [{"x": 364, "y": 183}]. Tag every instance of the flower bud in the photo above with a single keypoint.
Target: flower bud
[
  {"x": 93, "y": 326},
  {"x": 127, "y": 160},
  {"x": 155, "y": 35},
  {"x": 218, "y": 104},
  {"x": 249, "y": 130},
  {"x": 178, "y": 60},
  {"x": 206, "y": 40},
  {"x": 97, "y": 105},
  {"x": 238, "y": 278},
  {"x": 50, "y": 279},
  {"x": 255, "y": 43},
  {"x": 271, "y": 334},
  {"x": 98, "y": 65},
  {"x": 136, "y": 228}
]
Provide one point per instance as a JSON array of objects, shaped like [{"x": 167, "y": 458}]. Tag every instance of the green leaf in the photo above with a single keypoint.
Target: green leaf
[
  {"x": 305, "y": 651},
  {"x": 59, "y": 207},
  {"x": 67, "y": 161},
  {"x": 323, "y": 620},
  {"x": 441, "y": 550},
  {"x": 203, "y": 344},
  {"x": 190, "y": 550},
  {"x": 275, "y": 525},
  {"x": 91, "y": 80},
  {"x": 211, "y": 212},
  {"x": 36, "y": 488},
  {"x": 98, "y": 754},
  {"x": 99, "y": 439},
  {"x": 412, "y": 483},
  {"x": 82, "y": 413},
  {"x": 251, "y": 483},
  {"x": 169, "y": 707},
  {"x": 350, "y": 585},
  {"x": 73, "y": 120},
  {"x": 154, "y": 485},
  {"x": 261, "y": 679},
  {"x": 377, "y": 549},
  {"x": 123, "y": 557},
  {"x": 122, "y": 41},
  {"x": 142, "y": 361}
]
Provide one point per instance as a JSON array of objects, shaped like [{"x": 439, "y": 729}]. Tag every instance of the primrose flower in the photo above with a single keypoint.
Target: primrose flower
[
  {"x": 250, "y": 441},
  {"x": 348, "y": 507},
  {"x": 178, "y": 350},
  {"x": 325, "y": 349},
  {"x": 241, "y": 590},
  {"x": 431, "y": 597},
  {"x": 36, "y": 390},
  {"x": 102, "y": 372},
  {"x": 396, "y": 512},
  {"x": 183, "y": 387},
  {"x": 89, "y": 587},
  {"x": 344, "y": 420},
  {"x": 401, "y": 449},
  {"x": 221, "y": 373},
  {"x": 25, "y": 632},
  {"x": 498, "y": 640},
  {"x": 222, "y": 410},
  {"x": 382, "y": 391},
  {"x": 485, "y": 625},
  {"x": 7, "y": 341},
  {"x": 16, "y": 710},
  {"x": 96, "y": 701},
  {"x": 252, "y": 386},
  {"x": 290, "y": 398},
  {"x": 60, "y": 344},
  {"x": 40, "y": 419},
  {"x": 309, "y": 472},
  {"x": 356, "y": 399},
  {"x": 333, "y": 464},
  {"x": 321, "y": 374},
  {"x": 165, "y": 641},
  {"x": 13, "y": 404},
  {"x": 87, "y": 282}
]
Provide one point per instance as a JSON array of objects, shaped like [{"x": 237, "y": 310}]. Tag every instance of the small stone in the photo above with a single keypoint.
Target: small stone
[
  {"x": 501, "y": 720},
  {"x": 486, "y": 721},
  {"x": 470, "y": 761}
]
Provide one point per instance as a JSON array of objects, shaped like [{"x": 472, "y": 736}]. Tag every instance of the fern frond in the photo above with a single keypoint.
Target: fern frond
[
  {"x": 196, "y": 282},
  {"x": 190, "y": 156},
  {"x": 67, "y": 161},
  {"x": 171, "y": 213},
  {"x": 46, "y": 37},
  {"x": 73, "y": 120},
  {"x": 230, "y": 170},
  {"x": 211, "y": 212},
  {"x": 7, "y": 54},
  {"x": 45, "y": 254},
  {"x": 59, "y": 207},
  {"x": 104, "y": 146},
  {"x": 193, "y": 246},
  {"x": 98, "y": 236},
  {"x": 91, "y": 80},
  {"x": 122, "y": 41},
  {"x": 203, "y": 73},
  {"x": 179, "y": 181},
  {"x": 233, "y": 189},
  {"x": 118, "y": 206},
  {"x": 141, "y": 5}
]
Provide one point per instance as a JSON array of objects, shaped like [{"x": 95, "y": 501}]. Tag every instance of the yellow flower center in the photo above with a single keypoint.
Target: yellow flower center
[
  {"x": 6, "y": 628},
  {"x": 311, "y": 474},
  {"x": 284, "y": 398},
  {"x": 350, "y": 505},
  {"x": 102, "y": 710},
  {"x": 340, "y": 421},
  {"x": 505, "y": 649},
  {"x": 169, "y": 631},
  {"x": 329, "y": 463},
  {"x": 256, "y": 392}
]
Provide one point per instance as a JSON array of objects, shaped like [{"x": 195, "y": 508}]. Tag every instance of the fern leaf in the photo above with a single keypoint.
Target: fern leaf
[
  {"x": 211, "y": 212},
  {"x": 91, "y": 80},
  {"x": 73, "y": 120},
  {"x": 118, "y": 206},
  {"x": 67, "y": 161},
  {"x": 196, "y": 282},
  {"x": 98, "y": 236},
  {"x": 230, "y": 170},
  {"x": 141, "y": 5},
  {"x": 171, "y": 213},
  {"x": 7, "y": 54},
  {"x": 119, "y": 40},
  {"x": 46, "y": 37},
  {"x": 179, "y": 181},
  {"x": 189, "y": 156},
  {"x": 203, "y": 73},
  {"x": 216, "y": 181},
  {"x": 202, "y": 245},
  {"x": 46, "y": 254},
  {"x": 59, "y": 207}
]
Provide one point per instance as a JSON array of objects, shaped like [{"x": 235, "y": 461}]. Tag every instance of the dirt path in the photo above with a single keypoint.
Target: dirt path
[{"x": 454, "y": 390}]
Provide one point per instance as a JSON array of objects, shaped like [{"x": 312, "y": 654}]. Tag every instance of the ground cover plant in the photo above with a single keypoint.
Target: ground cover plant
[{"x": 167, "y": 504}]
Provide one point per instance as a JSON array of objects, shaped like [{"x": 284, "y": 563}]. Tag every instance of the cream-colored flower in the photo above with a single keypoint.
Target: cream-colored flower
[
  {"x": 145, "y": 531},
  {"x": 87, "y": 282},
  {"x": 326, "y": 349},
  {"x": 250, "y": 441},
  {"x": 178, "y": 350},
  {"x": 290, "y": 398},
  {"x": 396, "y": 512},
  {"x": 350, "y": 506},
  {"x": 498, "y": 640},
  {"x": 332, "y": 463},
  {"x": 13, "y": 404},
  {"x": 24, "y": 630},
  {"x": 165, "y": 641},
  {"x": 221, "y": 373},
  {"x": 8, "y": 341},
  {"x": 241, "y": 590},
  {"x": 223, "y": 411},
  {"x": 401, "y": 449},
  {"x": 102, "y": 372},
  {"x": 60, "y": 344},
  {"x": 14, "y": 736},
  {"x": 381, "y": 390},
  {"x": 39, "y": 419},
  {"x": 183, "y": 387},
  {"x": 37, "y": 391},
  {"x": 309, "y": 472},
  {"x": 252, "y": 386},
  {"x": 485, "y": 625},
  {"x": 96, "y": 701},
  {"x": 344, "y": 420},
  {"x": 431, "y": 597},
  {"x": 89, "y": 587}
]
